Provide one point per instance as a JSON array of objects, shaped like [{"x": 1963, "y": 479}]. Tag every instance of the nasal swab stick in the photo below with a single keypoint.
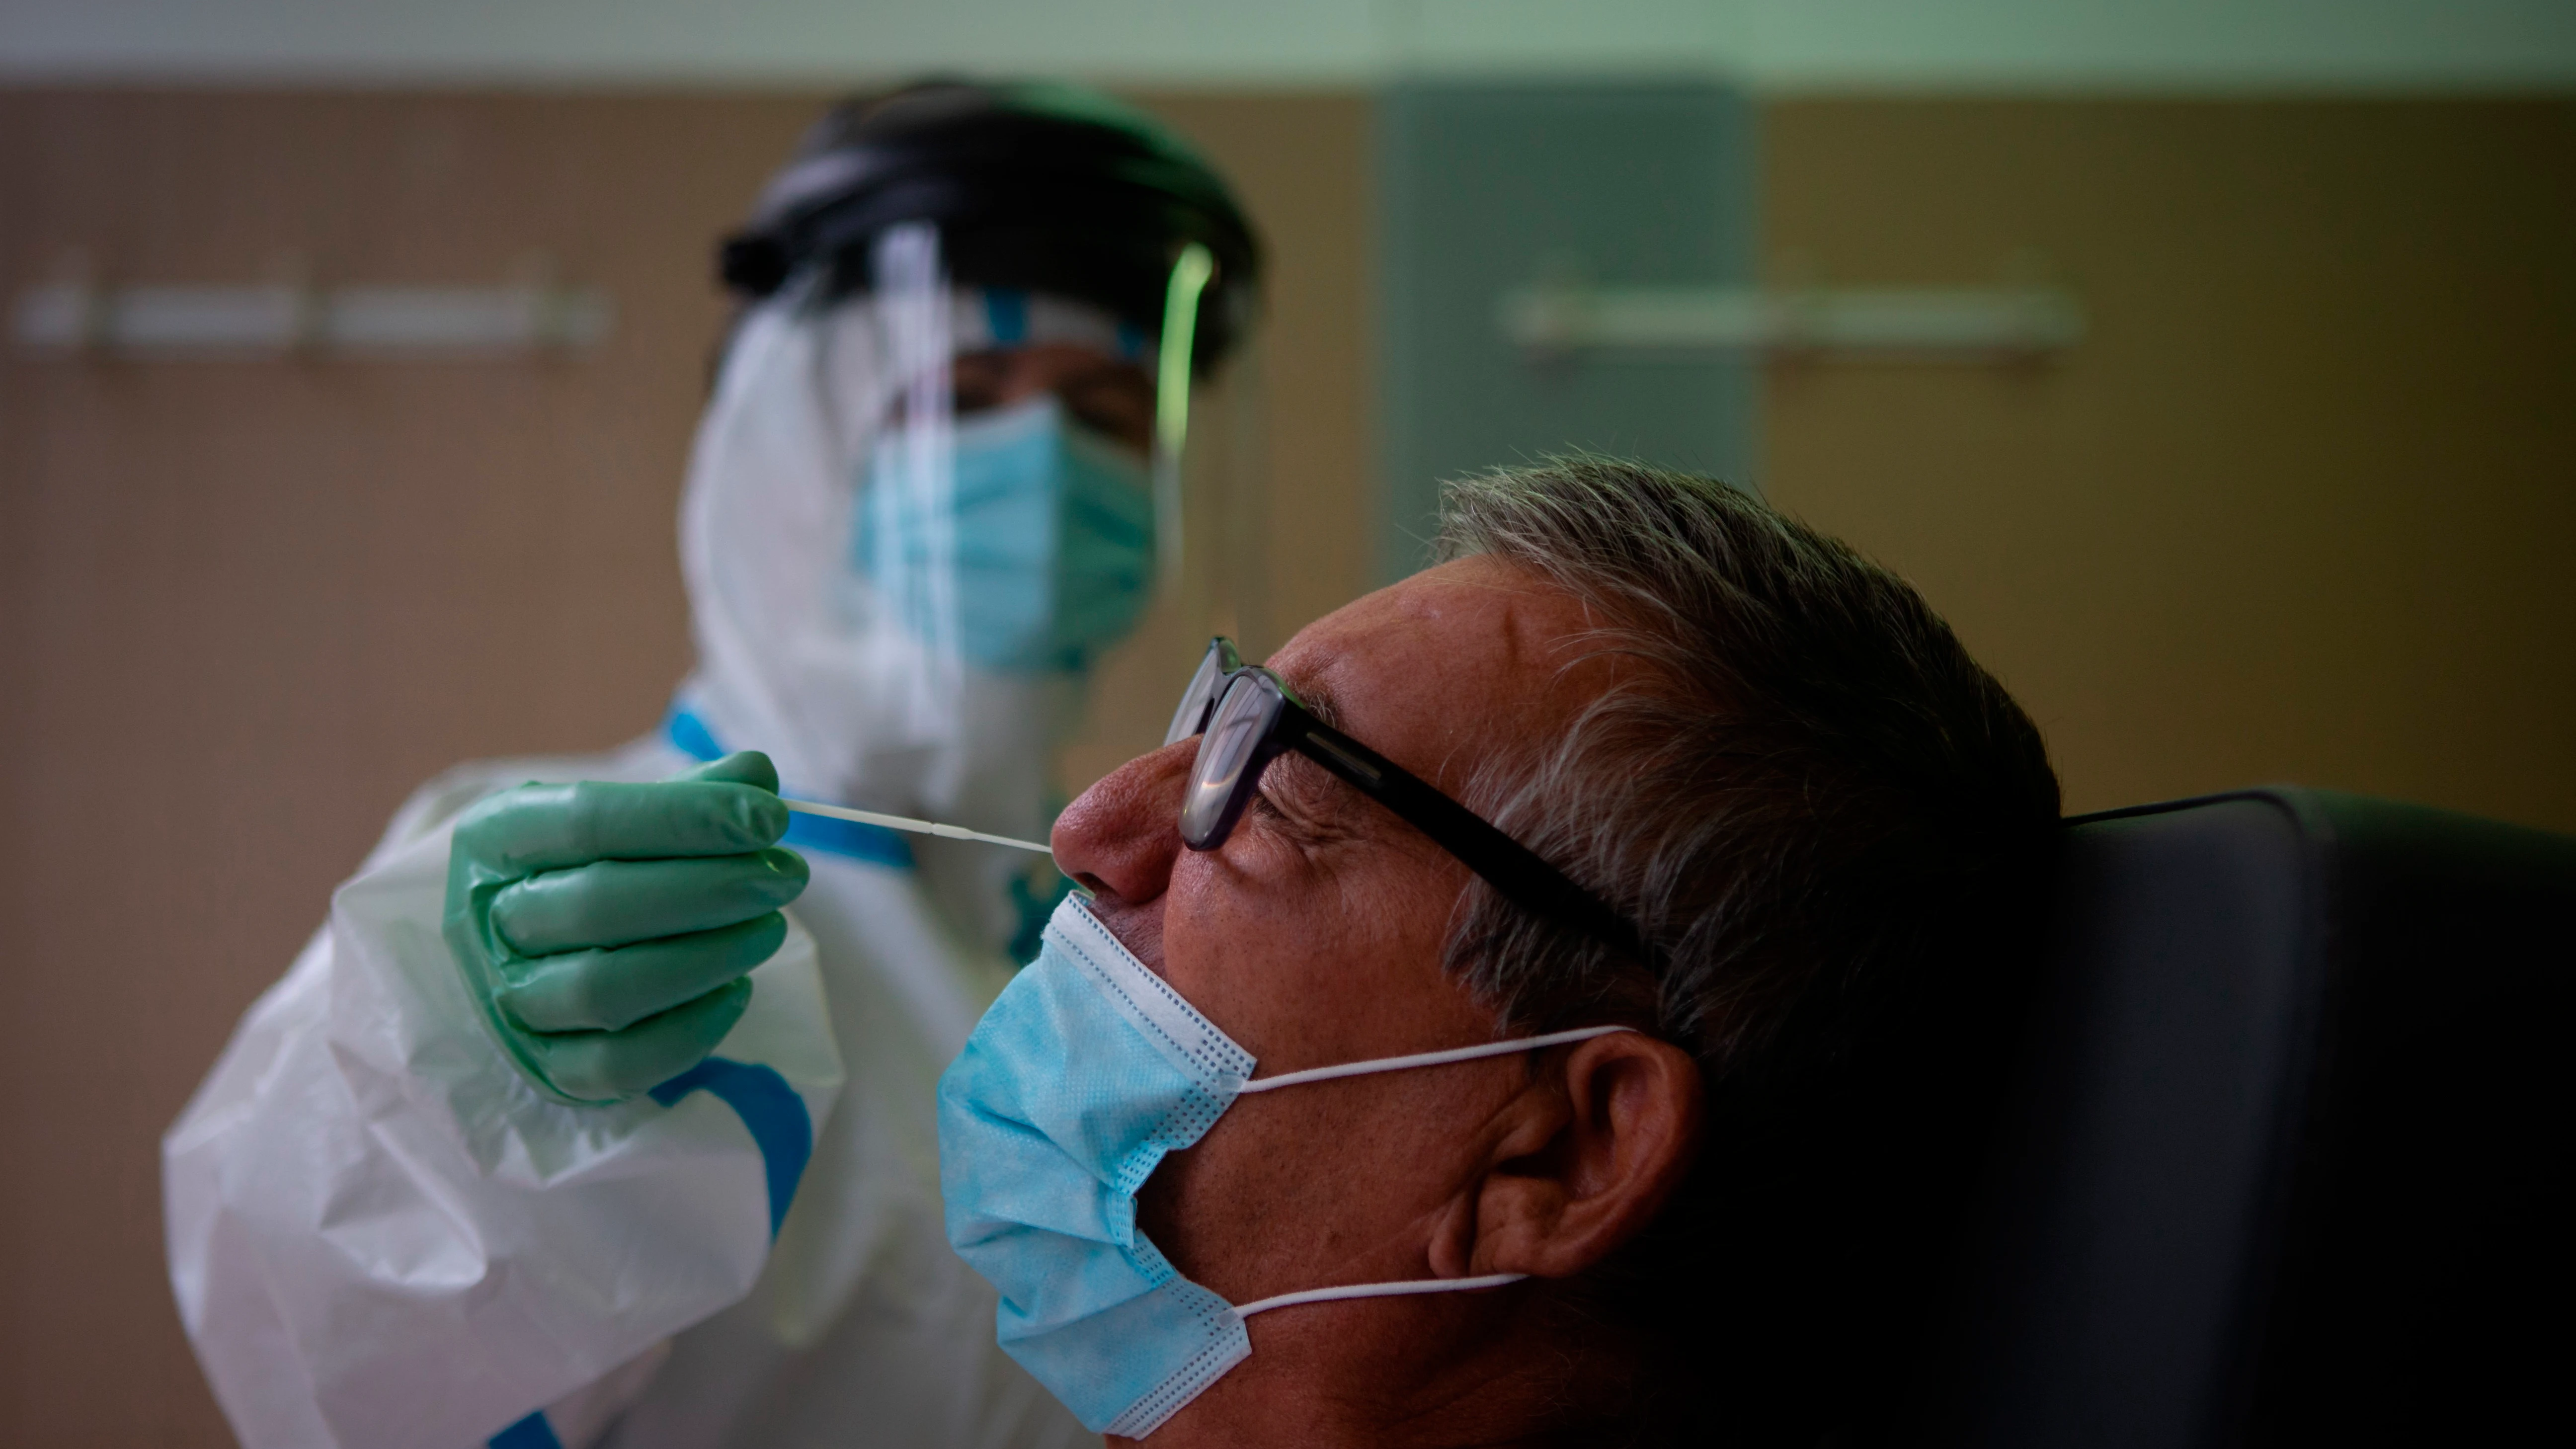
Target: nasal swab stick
[{"x": 917, "y": 827}]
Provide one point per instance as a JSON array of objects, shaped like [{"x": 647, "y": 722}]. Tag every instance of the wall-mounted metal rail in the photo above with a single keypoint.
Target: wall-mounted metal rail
[
  {"x": 76, "y": 317},
  {"x": 1683, "y": 323}
]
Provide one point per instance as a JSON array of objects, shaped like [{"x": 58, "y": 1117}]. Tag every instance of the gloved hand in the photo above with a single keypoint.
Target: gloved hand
[{"x": 605, "y": 929}]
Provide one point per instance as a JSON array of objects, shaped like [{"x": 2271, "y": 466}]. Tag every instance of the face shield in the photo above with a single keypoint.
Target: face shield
[
  {"x": 918, "y": 513},
  {"x": 1023, "y": 493}
]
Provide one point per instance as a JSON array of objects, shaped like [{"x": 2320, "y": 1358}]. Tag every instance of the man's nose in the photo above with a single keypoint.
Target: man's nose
[{"x": 1121, "y": 838}]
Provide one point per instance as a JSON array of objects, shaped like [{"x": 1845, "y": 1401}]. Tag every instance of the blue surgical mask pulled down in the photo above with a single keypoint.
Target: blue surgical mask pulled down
[
  {"x": 1085, "y": 1072},
  {"x": 1051, "y": 528}
]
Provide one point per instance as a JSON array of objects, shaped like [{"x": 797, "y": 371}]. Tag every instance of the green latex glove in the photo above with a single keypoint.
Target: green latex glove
[{"x": 605, "y": 929}]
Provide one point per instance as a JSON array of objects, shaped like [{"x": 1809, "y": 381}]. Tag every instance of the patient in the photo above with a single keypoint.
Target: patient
[{"x": 1804, "y": 832}]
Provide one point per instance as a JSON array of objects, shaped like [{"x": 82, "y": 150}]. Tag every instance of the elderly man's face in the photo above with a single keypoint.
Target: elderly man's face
[{"x": 1313, "y": 936}]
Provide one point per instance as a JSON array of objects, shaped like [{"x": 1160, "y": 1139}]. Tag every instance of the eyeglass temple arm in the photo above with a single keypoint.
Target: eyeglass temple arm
[{"x": 1509, "y": 866}]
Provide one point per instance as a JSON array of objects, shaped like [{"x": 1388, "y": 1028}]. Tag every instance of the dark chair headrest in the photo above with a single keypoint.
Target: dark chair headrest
[{"x": 2289, "y": 1160}]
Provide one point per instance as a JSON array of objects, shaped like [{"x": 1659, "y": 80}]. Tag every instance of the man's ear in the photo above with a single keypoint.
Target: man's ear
[{"x": 1584, "y": 1160}]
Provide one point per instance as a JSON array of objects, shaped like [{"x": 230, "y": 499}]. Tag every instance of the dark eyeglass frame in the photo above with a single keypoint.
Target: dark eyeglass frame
[{"x": 1225, "y": 691}]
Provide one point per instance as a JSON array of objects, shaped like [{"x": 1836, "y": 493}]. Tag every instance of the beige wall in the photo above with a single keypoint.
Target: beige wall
[
  {"x": 2299, "y": 508},
  {"x": 2292, "y": 512}
]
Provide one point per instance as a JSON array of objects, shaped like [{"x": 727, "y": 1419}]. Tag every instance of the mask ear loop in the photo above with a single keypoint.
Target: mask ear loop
[
  {"x": 1190, "y": 274},
  {"x": 1377, "y": 1290},
  {"x": 1429, "y": 1059},
  {"x": 1397, "y": 1064}
]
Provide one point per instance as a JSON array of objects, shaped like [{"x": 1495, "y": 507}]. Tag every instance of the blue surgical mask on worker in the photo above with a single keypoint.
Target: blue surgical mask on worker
[
  {"x": 1050, "y": 527},
  {"x": 1085, "y": 1072}
]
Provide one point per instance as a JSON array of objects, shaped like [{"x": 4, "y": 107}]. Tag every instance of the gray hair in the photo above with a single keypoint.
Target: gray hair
[{"x": 1804, "y": 792}]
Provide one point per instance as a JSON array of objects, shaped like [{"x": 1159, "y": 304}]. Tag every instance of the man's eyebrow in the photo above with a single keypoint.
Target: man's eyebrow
[{"x": 1321, "y": 702}]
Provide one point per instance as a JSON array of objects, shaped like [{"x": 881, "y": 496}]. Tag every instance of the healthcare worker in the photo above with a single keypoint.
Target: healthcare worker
[{"x": 603, "y": 1113}]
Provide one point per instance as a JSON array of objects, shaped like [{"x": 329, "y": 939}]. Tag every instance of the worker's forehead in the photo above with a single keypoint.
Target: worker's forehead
[{"x": 1465, "y": 653}]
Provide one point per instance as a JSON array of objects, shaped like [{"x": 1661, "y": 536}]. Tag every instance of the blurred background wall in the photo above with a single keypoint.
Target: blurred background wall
[{"x": 2293, "y": 509}]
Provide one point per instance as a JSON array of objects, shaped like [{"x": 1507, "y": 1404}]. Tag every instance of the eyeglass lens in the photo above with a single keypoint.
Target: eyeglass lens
[
  {"x": 1221, "y": 783},
  {"x": 1191, "y": 717}
]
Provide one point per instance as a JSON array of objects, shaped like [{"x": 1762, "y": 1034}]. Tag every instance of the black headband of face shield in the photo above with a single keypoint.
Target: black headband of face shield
[{"x": 1041, "y": 188}]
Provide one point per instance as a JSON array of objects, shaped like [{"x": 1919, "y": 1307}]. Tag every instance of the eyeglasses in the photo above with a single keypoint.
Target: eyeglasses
[{"x": 1250, "y": 717}]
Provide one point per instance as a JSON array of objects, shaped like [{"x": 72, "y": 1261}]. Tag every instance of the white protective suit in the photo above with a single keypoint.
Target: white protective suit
[{"x": 380, "y": 1234}]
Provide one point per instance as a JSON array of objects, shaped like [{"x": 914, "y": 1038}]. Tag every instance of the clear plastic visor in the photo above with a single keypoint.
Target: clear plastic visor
[{"x": 1018, "y": 493}]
